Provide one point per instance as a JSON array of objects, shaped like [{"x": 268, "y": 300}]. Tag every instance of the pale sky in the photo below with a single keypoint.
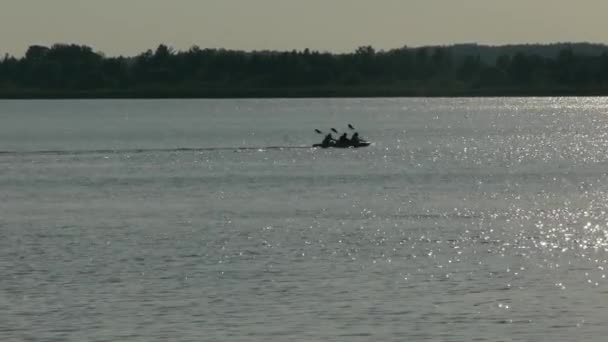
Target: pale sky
[{"x": 129, "y": 27}]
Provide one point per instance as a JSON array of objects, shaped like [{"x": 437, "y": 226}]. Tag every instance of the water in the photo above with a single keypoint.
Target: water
[{"x": 468, "y": 219}]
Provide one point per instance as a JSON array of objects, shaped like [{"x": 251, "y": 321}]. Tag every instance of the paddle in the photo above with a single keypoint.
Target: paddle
[
  {"x": 351, "y": 127},
  {"x": 321, "y": 132},
  {"x": 334, "y": 130}
]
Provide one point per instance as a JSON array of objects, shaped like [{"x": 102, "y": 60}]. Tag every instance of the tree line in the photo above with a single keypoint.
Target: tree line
[{"x": 68, "y": 70}]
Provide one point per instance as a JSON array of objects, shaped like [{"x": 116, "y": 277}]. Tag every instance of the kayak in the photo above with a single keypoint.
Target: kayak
[{"x": 334, "y": 145}]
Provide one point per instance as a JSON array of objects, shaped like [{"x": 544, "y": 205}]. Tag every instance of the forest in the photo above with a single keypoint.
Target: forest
[{"x": 78, "y": 71}]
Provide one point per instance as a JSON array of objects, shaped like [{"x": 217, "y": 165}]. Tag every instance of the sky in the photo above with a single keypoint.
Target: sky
[{"x": 129, "y": 27}]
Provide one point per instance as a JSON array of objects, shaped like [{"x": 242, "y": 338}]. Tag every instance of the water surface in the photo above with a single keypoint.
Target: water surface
[{"x": 468, "y": 219}]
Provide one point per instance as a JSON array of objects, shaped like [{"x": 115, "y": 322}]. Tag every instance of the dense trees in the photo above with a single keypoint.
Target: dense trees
[{"x": 72, "y": 70}]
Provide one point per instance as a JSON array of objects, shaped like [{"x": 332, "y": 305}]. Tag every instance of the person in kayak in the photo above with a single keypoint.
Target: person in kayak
[
  {"x": 328, "y": 140},
  {"x": 355, "y": 140},
  {"x": 343, "y": 140}
]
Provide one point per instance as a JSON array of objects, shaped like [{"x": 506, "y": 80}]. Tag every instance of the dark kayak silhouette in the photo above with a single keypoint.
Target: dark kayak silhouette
[
  {"x": 343, "y": 142},
  {"x": 332, "y": 144}
]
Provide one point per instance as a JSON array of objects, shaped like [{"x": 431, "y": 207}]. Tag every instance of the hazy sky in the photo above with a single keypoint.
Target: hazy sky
[{"x": 132, "y": 26}]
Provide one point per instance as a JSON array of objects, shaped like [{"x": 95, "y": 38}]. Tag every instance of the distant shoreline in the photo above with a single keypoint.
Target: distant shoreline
[
  {"x": 253, "y": 93},
  {"x": 72, "y": 71}
]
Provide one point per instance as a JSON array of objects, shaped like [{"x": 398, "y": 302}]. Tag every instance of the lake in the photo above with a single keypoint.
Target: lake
[{"x": 213, "y": 220}]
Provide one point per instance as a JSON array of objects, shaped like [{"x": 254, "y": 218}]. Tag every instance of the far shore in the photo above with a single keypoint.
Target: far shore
[
  {"x": 71, "y": 71},
  {"x": 329, "y": 92}
]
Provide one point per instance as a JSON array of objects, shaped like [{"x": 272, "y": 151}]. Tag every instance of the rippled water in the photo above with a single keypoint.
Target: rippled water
[{"x": 468, "y": 219}]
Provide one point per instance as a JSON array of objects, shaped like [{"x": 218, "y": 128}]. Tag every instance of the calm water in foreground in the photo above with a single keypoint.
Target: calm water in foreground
[{"x": 469, "y": 219}]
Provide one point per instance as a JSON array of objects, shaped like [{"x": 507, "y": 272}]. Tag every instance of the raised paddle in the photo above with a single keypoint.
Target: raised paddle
[
  {"x": 318, "y": 131},
  {"x": 351, "y": 127},
  {"x": 334, "y": 130}
]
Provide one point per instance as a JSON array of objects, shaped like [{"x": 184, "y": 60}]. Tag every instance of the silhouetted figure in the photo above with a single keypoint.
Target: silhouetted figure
[
  {"x": 328, "y": 140},
  {"x": 343, "y": 140},
  {"x": 355, "y": 140}
]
